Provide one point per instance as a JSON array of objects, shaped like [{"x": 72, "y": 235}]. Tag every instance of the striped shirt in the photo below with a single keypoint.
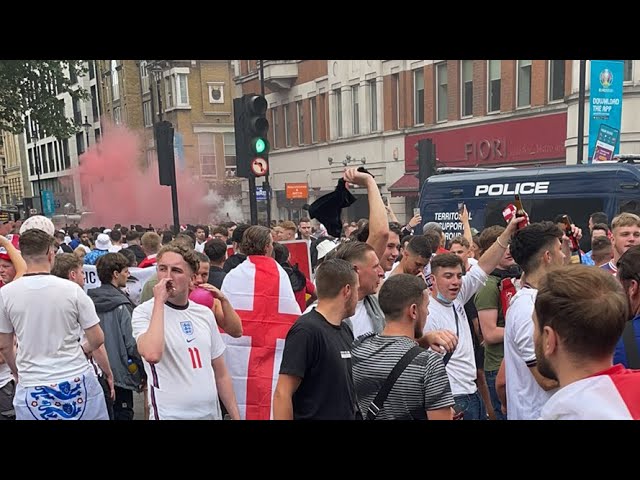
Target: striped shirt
[{"x": 422, "y": 386}]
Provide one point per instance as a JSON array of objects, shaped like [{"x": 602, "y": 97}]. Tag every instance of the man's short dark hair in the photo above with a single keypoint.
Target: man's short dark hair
[
  {"x": 204, "y": 228},
  {"x": 133, "y": 235},
  {"x": 489, "y": 236},
  {"x": 202, "y": 258},
  {"x": 599, "y": 217},
  {"x": 64, "y": 264},
  {"x": 529, "y": 241},
  {"x": 446, "y": 260},
  {"x": 433, "y": 238},
  {"x": 332, "y": 275},
  {"x": 629, "y": 265},
  {"x": 115, "y": 235},
  {"x": 601, "y": 226},
  {"x": 59, "y": 236},
  {"x": 420, "y": 246},
  {"x": 255, "y": 240},
  {"x": 35, "y": 243},
  {"x": 280, "y": 253},
  {"x": 220, "y": 230},
  {"x": 239, "y": 232},
  {"x": 130, "y": 256},
  {"x": 398, "y": 292},
  {"x": 167, "y": 236},
  {"x": 215, "y": 249},
  {"x": 109, "y": 263}
]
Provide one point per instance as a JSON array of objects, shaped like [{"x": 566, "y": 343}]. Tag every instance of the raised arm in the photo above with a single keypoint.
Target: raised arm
[
  {"x": 151, "y": 343},
  {"x": 18, "y": 262}
]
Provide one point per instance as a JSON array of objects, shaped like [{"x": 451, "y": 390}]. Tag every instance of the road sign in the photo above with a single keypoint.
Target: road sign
[
  {"x": 259, "y": 167},
  {"x": 261, "y": 194}
]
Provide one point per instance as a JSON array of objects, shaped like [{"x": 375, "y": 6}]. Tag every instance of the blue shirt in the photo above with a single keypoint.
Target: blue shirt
[
  {"x": 620, "y": 355},
  {"x": 587, "y": 260}
]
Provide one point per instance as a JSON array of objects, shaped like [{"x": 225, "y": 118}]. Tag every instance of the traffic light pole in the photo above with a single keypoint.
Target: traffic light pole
[{"x": 265, "y": 184}]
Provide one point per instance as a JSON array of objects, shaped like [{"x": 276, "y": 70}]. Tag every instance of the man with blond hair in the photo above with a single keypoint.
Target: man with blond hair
[{"x": 626, "y": 233}]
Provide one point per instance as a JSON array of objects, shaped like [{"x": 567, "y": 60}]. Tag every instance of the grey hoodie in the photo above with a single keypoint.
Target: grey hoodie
[{"x": 114, "y": 309}]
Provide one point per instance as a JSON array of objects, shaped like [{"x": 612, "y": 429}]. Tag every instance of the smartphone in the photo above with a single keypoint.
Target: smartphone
[
  {"x": 416, "y": 211},
  {"x": 460, "y": 207}
]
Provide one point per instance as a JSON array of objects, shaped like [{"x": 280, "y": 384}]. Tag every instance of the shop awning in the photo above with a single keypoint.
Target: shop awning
[{"x": 405, "y": 186}]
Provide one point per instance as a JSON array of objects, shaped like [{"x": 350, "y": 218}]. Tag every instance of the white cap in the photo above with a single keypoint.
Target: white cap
[
  {"x": 39, "y": 222},
  {"x": 103, "y": 242}
]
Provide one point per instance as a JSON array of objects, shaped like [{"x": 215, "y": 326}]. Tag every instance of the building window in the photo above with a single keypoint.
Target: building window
[
  {"x": 80, "y": 143},
  {"x": 373, "y": 104},
  {"x": 117, "y": 115},
  {"x": 92, "y": 69},
  {"x": 182, "y": 89},
  {"x": 77, "y": 113},
  {"x": 418, "y": 97},
  {"x": 524, "y": 83},
  {"x": 56, "y": 149},
  {"x": 144, "y": 77},
  {"x": 355, "y": 92},
  {"x": 441, "y": 95},
  {"x": 395, "y": 97},
  {"x": 94, "y": 102},
  {"x": 287, "y": 126},
  {"x": 50, "y": 156},
  {"x": 314, "y": 119},
  {"x": 73, "y": 77},
  {"x": 466, "y": 92},
  {"x": 115, "y": 84},
  {"x": 168, "y": 88},
  {"x": 147, "y": 114},
  {"x": 229, "y": 154},
  {"x": 43, "y": 159},
  {"x": 556, "y": 80},
  {"x": 493, "y": 102},
  {"x": 276, "y": 126},
  {"x": 628, "y": 70},
  {"x": 32, "y": 168},
  {"x": 65, "y": 151},
  {"x": 207, "y": 152},
  {"x": 338, "y": 109},
  {"x": 300, "y": 112}
]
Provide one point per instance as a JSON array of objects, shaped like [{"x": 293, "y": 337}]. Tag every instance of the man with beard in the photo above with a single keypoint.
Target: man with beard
[
  {"x": 422, "y": 390},
  {"x": 315, "y": 381},
  {"x": 580, "y": 313}
]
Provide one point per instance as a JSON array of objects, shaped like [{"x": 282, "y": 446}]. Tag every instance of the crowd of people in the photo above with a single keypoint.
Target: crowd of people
[{"x": 390, "y": 323}]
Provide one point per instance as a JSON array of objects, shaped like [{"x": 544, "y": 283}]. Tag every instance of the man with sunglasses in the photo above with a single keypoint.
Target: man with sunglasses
[{"x": 627, "y": 272}]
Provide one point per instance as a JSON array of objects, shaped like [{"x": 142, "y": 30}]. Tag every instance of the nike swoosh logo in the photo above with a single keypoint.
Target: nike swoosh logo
[{"x": 188, "y": 341}]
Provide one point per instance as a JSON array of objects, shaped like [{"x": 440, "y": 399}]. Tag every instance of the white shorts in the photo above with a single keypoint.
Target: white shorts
[{"x": 80, "y": 398}]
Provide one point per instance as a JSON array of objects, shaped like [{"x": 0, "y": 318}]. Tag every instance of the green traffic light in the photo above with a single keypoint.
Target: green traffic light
[{"x": 260, "y": 145}]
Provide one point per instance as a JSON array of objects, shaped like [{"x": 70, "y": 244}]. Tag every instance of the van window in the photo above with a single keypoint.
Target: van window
[{"x": 631, "y": 206}]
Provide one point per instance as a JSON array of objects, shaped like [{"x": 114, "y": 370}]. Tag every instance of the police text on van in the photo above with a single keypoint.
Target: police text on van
[{"x": 524, "y": 188}]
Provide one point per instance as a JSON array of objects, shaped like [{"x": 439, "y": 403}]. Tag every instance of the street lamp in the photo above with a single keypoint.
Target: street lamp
[
  {"x": 34, "y": 136},
  {"x": 87, "y": 128}
]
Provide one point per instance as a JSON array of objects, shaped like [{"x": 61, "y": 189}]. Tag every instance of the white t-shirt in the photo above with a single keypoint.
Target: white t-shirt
[
  {"x": 115, "y": 248},
  {"x": 461, "y": 368},
  {"x": 361, "y": 321},
  {"x": 525, "y": 397},
  {"x": 200, "y": 247},
  {"x": 182, "y": 384},
  {"x": 45, "y": 311}
]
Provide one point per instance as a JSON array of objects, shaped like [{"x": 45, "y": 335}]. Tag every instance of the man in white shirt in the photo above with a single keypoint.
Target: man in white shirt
[
  {"x": 181, "y": 346},
  {"x": 44, "y": 311},
  {"x": 536, "y": 248},
  {"x": 202, "y": 235},
  {"x": 580, "y": 313},
  {"x": 451, "y": 290}
]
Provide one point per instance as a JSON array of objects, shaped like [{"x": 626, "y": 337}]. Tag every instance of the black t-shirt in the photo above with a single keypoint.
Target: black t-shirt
[
  {"x": 216, "y": 276},
  {"x": 320, "y": 353}
]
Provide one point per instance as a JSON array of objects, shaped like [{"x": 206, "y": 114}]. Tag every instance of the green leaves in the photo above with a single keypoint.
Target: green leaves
[{"x": 38, "y": 88}]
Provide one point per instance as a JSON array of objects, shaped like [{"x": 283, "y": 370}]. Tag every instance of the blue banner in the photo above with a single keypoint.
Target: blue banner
[
  {"x": 48, "y": 206},
  {"x": 261, "y": 194},
  {"x": 605, "y": 108}
]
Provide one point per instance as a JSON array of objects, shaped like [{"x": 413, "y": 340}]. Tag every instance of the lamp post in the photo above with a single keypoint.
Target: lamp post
[
  {"x": 87, "y": 128},
  {"x": 34, "y": 136}
]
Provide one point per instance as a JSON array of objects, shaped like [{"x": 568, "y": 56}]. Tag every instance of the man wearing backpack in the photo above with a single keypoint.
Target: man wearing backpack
[{"x": 492, "y": 301}]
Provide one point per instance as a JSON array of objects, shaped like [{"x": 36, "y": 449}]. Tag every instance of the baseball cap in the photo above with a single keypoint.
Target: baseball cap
[{"x": 15, "y": 241}]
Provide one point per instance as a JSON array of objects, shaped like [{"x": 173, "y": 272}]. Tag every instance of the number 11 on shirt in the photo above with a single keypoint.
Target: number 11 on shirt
[{"x": 194, "y": 353}]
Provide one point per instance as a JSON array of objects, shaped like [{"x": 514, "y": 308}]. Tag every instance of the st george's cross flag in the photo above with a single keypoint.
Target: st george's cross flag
[
  {"x": 613, "y": 394},
  {"x": 260, "y": 292}
]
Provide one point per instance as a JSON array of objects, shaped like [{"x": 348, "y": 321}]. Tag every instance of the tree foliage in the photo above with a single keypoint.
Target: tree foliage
[{"x": 37, "y": 88}]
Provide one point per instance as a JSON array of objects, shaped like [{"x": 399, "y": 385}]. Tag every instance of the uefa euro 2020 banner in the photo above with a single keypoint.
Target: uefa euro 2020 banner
[{"x": 605, "y": 109}]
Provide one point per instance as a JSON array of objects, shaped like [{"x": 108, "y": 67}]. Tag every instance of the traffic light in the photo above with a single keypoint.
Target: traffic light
[
  {"x": 426, "y": 160},
  {"x": 163, "y": 132},
  {"x": 251, "y": 127}
]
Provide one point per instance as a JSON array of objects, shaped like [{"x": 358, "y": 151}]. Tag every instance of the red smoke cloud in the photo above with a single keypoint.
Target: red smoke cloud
[{"x": 116, "y": 190}]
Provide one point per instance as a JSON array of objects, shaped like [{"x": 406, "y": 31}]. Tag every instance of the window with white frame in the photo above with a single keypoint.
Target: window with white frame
[
  {"x": 373, "y": 104},
  {"x": 441, "y": 94},
  {"x": 524, "y": 83},
  {"x": 276, "y": 126},
  {"x": 418, "y": 97},
  {"x": 300, "y": 112},
  {"x": 313, "y": 109},
  {"x": 229, "y": 154},
  {"x": 337, "y": 104},
  {"x": 207, "y": 154},
  {"x": 628, "y": 71},
  {"x": 355, "y": 103},
  {"x": 144, "y": 76},
  {"x": 117, "y": 115},
  {"x": 287, "y": 126},
  {"x": 466, "y": 90},
  {"x": 556, "y": 80},
  {"x": 182, "y": 97},
  {"x": 493, "y": 86},
  {"x": 115, "y": 83},
  {"x": 147, "y": 114},
  {"x": 168, "y": 90}
]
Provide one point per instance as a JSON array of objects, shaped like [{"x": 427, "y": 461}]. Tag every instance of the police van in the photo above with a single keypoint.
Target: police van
[{"x": 545, "y": 191}]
